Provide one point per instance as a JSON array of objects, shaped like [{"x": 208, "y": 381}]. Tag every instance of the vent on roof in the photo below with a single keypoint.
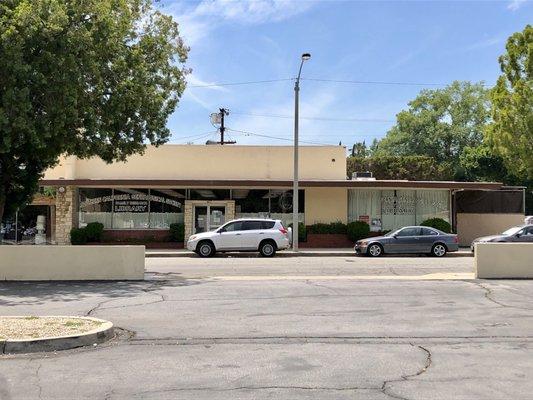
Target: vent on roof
[{"x": 363, "y": 176}]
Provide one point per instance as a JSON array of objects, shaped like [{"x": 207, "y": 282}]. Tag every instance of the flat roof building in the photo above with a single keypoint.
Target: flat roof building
[{"x": 204, "y": 186}]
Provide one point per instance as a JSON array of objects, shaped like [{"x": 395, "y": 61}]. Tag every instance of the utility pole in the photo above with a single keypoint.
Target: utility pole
[{"x": 223, "y": 113}]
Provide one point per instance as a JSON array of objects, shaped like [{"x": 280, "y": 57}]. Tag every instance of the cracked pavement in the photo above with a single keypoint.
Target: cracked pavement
[{"x": 189, "y": 334}]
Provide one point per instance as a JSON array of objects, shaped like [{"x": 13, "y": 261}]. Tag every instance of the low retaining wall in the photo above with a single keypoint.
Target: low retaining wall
[
  {"x": 71, "y": 263},
  {"x": 471, "y": 226},
  {"x": 504, "y": 260},
  {"x": 326, "y": 240}
]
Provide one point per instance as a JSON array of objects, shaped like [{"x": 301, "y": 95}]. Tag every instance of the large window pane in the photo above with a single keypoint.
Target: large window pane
[
  {"x": 281, "y": 205},
  {"x": 166, "y": 207},
  {"x": 364, "y": 205},
  {"x": 432, "y": 204},
  {"x": 251, "y": 203},
  {"x": 131, "y": 209},
  {"x": 95, "y": 205}
]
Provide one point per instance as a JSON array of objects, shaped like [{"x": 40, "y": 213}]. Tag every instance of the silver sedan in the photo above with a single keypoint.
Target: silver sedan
[{"x": 410, "y": 239}]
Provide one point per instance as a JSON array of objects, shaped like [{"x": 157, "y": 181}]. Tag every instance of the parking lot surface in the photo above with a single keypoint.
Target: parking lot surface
[{"x": 285, "y": 328}]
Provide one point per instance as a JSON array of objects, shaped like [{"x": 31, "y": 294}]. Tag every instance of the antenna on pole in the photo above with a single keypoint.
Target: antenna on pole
[{"x": 218, "y": 119}]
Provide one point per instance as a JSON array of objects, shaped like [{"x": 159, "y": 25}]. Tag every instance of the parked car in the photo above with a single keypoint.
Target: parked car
[
  {"x": 410, "y": 239},
  {"x": 263, "y": 235},
  {"x": 516, "y": 234}
]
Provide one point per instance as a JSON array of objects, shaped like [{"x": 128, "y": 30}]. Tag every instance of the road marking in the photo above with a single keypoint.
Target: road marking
[{"x": 426, "y": 277}]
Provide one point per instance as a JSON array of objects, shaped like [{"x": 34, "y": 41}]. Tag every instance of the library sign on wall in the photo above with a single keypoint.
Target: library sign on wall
[{"x": 130, "y": 202}]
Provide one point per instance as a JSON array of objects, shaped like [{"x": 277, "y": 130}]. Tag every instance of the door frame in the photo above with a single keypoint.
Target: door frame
[
  {"x": 208, "y": 215},
  {"x": 189, "y": 212}
]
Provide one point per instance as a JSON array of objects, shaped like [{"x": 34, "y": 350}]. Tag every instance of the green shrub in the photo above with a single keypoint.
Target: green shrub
[
  {"x": 177, "y": 232},
  {"x": 302, "y": 232},
  {"x": 94, "y": 231},
  {"x": 78, "y": 236},
  {"x": 358, "y": 230},
  {"x": 332, "y": 228},
  {"x": 438, "y": 223}
]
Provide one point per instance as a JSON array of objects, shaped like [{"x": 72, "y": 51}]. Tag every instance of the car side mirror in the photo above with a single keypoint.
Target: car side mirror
[
  {"x": 395, "y": 236},
  {"x": 518, "y": 235}
]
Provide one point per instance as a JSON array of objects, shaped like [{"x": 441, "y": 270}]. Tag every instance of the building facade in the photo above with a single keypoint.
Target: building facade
[{"x": 204, "y": 186}]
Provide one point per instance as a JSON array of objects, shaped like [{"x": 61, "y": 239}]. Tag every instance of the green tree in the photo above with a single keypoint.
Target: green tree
[
  {"x": 511, "y": 133},
  {"x": 85, "y": 78},
  {"x": 440, "y": 123},
  {"x": 415, "y": 168}
]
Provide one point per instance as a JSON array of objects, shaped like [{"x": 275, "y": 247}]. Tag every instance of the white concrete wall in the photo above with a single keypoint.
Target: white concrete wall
[
  {"x": 471, "y": 226},
  {"x": 504, "y": 260},
  {"x": 60, "y": 263}
]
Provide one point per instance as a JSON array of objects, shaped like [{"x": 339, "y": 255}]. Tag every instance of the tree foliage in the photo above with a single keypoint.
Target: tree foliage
[
  {"x": 84, "y": 78},
  {"x": 511, "y": 133},
  {"x": 439, "y": 123},
  {"x": 416, "y": 168}
]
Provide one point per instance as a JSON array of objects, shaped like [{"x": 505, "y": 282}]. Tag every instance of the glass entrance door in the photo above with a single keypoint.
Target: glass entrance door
[{"x": 208, "y": 218}]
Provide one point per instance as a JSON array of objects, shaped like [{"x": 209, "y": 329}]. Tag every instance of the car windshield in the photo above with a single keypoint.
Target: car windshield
[{"x": 512, "y": 231}]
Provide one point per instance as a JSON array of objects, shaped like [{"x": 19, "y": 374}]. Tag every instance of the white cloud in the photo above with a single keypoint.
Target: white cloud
[
  {"x": 515, "y": 4},
  {"x": 198, "y": 22}
]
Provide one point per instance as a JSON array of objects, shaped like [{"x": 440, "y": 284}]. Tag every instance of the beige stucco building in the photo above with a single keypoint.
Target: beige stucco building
[{"x": 201, "y": 186}]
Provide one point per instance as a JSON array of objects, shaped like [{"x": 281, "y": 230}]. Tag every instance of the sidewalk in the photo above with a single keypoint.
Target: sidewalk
[{"x": 344, "y": 252}]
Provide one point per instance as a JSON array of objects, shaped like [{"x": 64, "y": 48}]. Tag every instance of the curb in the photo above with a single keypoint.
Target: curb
[
  {"x": 290, "y": 254},
  {"x": 99, "y": 335}
]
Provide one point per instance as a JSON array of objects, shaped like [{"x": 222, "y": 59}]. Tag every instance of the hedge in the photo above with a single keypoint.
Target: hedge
[
  {"x": 438, "y": 223},
  {"x": 94, "y": 231},
  {"x": 331, "y": 228},
  {"x": 78, "y": 236},
  {"x": 358, "y": 230},
  {"x": 177, "y": 232}
]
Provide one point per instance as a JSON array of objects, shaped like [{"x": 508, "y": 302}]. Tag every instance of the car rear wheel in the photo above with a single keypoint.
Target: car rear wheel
[
  {"x": 438, "y": 250},
  {"x": 374, "y": 250},
  {"x": 205, "y": 249},
  {"x": 267, "y": 249}
]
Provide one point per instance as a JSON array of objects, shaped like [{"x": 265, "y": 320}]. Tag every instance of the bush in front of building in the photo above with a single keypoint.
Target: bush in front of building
[
  {"x": 328, "y": 229},
  {"x": 94, "y": 231},
  {"x": 438, "y": 223},
  {"x": 177, "y": 232},
  {"x": 78, "y": 236},
  {"x": 358, "y": 230}
]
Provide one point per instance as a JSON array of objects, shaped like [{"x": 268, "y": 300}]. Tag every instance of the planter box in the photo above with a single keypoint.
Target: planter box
[
  {"x": 71, "y": 263},
  {"x": 326, "y": 240}
]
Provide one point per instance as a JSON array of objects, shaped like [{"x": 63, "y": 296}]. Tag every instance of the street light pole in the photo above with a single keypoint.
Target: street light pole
[{"x": 295, "y": 222}]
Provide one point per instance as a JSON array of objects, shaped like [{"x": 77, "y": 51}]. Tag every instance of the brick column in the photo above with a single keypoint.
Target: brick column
[
  {"x": 65, "y": 214},
  {"x": 187, "y": 219}
]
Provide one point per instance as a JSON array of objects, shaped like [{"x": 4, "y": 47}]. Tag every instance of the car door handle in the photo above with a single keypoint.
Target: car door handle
[
  {"x": 261, "y": 233},
  {"x": 238, "y": 234}
]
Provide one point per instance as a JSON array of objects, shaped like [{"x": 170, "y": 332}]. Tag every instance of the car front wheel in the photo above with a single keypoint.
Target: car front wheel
[
  {"x": 375, "y": 250},
  {"x": 438, "y": 250},
  {"x": 205, "y": 249},
  {"x": 267, "y": 249}
]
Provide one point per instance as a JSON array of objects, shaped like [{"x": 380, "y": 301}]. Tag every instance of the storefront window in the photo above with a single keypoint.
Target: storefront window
[
  {"x": 166, "y": 207},
  {"x": 96, "y": 205},
  {"x": 131, "y": 208},
  {"x": 251, "y": 203},
  {"x": 393, "y": 209}
]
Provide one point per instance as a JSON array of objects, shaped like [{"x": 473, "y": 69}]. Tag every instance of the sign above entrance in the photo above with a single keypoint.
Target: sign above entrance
[
  {"x": 128, "y": 199},
  {"x": 132, "y": 206}
]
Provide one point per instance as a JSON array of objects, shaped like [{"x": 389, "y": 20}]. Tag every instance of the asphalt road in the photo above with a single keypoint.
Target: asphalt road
[{"x": 285, "y": 328}]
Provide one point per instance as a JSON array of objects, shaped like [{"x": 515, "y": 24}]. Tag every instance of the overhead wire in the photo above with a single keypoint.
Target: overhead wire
[
  {"x": 247, "y": 133},
  {"x": 315, "y": 118}
]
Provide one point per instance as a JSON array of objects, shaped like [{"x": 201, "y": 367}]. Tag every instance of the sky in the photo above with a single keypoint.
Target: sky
[{"x": 371, "y": 47}]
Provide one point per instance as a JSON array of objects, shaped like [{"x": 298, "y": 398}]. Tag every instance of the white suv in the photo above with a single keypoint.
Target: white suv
[{"x": 263, "y": 235}]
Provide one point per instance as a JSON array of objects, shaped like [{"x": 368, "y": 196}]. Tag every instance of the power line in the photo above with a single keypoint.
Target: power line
[
  {"x": 239, "y": 83},
  {"x": 348, "y": 81},
  {"x": 246, "y": 133},
  {"x": 316, "y": 118},
  {"x": 374, "y": 82},
  {"x": 197, "y": 137}
]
